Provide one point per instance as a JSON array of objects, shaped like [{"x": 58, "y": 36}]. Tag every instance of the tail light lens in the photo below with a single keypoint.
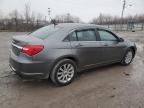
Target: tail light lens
[{"x": 32, "y": 49}]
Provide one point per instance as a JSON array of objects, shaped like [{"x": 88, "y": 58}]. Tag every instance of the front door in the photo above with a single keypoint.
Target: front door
[{"x": 112, "y": 48}]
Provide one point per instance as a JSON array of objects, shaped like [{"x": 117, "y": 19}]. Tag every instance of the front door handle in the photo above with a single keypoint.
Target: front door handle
[{"x": 105, "y": 45}]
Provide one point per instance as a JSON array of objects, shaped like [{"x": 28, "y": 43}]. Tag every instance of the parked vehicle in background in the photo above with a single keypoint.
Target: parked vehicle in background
[{"x": 60, "y": 51}]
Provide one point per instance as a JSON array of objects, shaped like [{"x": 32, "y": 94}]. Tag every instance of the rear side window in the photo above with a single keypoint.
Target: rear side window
[
  {"x": 73, "y": 36},
  {"x": 44, "y": 32},
  {"x": 86, "y": 35}
]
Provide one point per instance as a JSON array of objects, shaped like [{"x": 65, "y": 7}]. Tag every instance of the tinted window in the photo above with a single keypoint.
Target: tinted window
[
  {"x": 106, "y": 36},
  {"x": 44, "y": 32},
  {"x": 73, "y": 37},
  {"x": 86, "y": 35}
]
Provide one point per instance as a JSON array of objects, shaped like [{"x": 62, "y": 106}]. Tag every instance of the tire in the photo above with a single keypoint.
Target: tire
[
  {"x": 63, "y": 72},
  {"x": 128, "y": 57}
]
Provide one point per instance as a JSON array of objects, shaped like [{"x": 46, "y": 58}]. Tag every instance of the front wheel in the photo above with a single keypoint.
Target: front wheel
[
  {"x": 63, "y": 72},
  {"x": 128, "y": 57}
]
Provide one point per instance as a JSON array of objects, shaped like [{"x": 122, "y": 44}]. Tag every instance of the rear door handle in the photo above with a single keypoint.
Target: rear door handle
[{"x": 78, "y": 45}]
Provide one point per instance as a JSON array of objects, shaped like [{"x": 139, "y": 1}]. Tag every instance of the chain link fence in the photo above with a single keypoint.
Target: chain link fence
[{"x": 125, "y": 27}]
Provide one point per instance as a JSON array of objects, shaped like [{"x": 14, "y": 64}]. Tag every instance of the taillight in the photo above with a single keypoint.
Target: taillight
[{"x": 32, "y": 49}]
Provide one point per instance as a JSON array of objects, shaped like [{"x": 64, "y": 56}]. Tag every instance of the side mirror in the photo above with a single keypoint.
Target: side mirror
[{"x": 121, "y": 39}]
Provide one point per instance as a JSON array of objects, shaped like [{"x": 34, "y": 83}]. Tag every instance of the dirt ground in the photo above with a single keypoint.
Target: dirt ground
[{"x": 112, "y": 86}]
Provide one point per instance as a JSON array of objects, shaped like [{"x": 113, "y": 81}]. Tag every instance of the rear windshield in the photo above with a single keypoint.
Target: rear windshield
[{"x": 44, "y": 32}]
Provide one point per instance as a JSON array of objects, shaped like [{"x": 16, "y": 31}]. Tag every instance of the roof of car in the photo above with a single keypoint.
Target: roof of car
[
  {"x": 76, "y": 25},
  {"x": 67, "y": 28}
]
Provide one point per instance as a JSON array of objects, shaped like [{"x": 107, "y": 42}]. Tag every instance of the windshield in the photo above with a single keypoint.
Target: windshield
[{"x": 44, "y": 32}]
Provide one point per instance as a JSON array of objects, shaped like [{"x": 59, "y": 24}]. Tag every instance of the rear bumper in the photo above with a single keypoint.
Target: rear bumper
[{"x": 38, "y": 70}]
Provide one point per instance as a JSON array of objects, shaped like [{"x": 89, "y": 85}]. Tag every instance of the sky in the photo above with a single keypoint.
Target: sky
[{"x": 85, "y": 9}]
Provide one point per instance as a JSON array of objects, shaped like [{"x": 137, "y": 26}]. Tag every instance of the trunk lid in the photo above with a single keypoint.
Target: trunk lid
[{"x": 19, "y": 41}]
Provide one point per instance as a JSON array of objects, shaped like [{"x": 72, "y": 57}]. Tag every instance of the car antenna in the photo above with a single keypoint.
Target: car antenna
[{"x": 51, "y": 20}]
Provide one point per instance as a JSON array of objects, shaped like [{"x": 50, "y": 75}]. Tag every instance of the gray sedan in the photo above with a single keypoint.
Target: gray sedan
[{"x": 60, "y": 51}]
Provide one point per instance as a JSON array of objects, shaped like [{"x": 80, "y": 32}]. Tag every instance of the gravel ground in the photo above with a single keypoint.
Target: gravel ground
[{"x": 112, "y": 86}]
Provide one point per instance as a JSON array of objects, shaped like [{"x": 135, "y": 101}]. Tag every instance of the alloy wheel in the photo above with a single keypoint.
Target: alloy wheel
[
  {"x": 128, "y": 57},
  {"x": 65, "y": 73}
]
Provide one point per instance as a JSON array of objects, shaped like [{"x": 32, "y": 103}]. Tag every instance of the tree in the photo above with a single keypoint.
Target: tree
[
  {"x": 27, "y": 12},
  {"x": 40, "y": 18},
  {"x": 14, "y": 15},
  {"x": 67, "y": 18},
  {"x": 1, "y": 15},
  {"x": 33, "y": 18}
]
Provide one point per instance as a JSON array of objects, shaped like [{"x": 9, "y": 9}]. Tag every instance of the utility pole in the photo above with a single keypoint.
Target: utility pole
[
  {"x": 68, "y": 17},
  {"x": 50, "y": 19},
  {"x": 45, "y": 19},
  {"x": 124, "y": 5},
  {"x": 123, "y": 8},
  {"x": 49, "y": 14}
]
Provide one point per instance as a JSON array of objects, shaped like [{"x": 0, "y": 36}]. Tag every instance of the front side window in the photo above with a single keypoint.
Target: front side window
[
  {"x": 86, "y": 35},
  {"x": 106, "y": 36}
]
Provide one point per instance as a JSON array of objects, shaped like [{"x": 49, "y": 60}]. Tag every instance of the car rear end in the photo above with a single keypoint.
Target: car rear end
[
  {"x": 25, "y": 54},
  {"x": 33, "y": 55}
]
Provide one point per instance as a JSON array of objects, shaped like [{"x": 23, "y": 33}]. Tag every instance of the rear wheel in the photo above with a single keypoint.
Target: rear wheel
[
  {"x": 128, "y": 57},
  {"x": 63, "y": 72}
]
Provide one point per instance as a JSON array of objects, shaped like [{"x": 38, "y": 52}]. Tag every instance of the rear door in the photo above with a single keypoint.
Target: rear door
[
  {"x": 112, "y": 49},
  {"x": 85, "y": 47}
]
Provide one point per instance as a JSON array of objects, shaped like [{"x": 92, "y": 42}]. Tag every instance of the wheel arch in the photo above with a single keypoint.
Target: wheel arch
[
  {"x": 133, "y": 49},
  {"x": 127, "y": 48},
  {"x": 71, "y": 57}
]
